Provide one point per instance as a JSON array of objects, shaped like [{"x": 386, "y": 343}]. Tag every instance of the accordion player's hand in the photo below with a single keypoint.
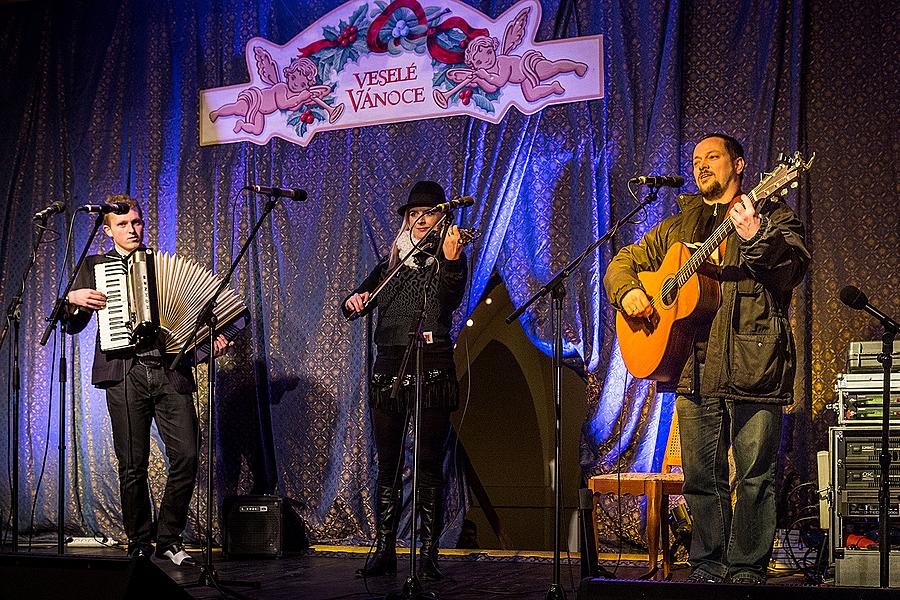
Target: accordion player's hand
[
  {"x": 221, "y": 346},
  {"x": 87, "y": 298}
]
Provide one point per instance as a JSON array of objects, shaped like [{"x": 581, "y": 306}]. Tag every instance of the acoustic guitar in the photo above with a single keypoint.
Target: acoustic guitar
[{"x": 683, "y": 296}]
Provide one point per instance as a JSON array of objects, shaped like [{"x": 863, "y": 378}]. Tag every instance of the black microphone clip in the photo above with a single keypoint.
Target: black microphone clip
[
  {"x": 116, "y": 208},
  {"x": 457, "y": 202},
  {"x": 50, "y": 210},
  {"x": 275, "y": 192},
  {"x": 673, "y": 181}
]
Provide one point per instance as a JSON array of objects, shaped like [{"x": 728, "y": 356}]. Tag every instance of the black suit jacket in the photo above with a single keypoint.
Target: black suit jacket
[{"x": 109, "y": 368}]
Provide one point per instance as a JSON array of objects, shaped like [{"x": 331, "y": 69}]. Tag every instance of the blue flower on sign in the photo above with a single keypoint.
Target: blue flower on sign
[
  {"x": 396, "y": 32},
  {"x": 400, "y": 30}
]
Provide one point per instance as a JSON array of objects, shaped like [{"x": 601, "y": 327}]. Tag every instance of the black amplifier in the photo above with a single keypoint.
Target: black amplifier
[{"x": 261, "y": 526}]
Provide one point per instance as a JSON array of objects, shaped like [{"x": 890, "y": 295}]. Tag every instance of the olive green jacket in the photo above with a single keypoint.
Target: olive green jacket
[{"x": 750, "y": 354}]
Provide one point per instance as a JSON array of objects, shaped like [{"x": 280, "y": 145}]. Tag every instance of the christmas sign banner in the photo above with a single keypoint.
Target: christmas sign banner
[{"x": 367, "y": 63}]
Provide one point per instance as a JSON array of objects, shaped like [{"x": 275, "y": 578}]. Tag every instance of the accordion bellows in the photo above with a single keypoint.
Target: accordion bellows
[{"x": 153, "y": 294}]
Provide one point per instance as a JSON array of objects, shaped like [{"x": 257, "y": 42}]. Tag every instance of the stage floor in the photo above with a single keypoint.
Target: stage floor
[{"x": 328, "y": 572}]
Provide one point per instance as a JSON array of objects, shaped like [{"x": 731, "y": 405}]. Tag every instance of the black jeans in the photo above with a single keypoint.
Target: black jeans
[
  {"x": 726, "y": 541},
  {"x": 390, "y": 430},
  {"x": 146, "y": 393}
]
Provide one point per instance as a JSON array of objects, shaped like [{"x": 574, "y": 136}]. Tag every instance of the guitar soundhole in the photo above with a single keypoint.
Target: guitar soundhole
[{"x": 669, "y": 292}]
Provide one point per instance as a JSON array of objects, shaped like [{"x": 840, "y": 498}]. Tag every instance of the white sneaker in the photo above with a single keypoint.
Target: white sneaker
[{"x": 176, "y": 553}]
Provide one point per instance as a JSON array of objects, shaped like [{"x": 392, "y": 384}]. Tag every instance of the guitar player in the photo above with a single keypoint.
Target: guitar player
[{"x": 740, "y": 373}]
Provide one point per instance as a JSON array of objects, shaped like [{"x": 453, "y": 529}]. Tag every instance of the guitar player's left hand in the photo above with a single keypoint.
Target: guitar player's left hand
[{"x": 744, "y": 217}]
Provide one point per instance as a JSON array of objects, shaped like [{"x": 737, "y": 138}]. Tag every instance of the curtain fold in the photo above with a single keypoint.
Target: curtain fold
[{"x": 101, "y": 98}]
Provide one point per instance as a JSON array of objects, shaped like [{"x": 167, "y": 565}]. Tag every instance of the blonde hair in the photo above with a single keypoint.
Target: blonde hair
[
  {"x": 125, "y": 198},
  {"x": 395, "y": 253}
]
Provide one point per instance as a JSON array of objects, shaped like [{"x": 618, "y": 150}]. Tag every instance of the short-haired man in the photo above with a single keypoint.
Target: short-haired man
[
  {"x": 139, "y": 388},
  {"x": 741, "y": 373}
]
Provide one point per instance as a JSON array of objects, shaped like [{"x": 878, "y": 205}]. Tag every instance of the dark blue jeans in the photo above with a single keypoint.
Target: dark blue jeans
[{"x": 727, "y": 541}]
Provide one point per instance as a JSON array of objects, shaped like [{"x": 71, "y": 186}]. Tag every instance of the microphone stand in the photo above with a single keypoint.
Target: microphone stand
[
  {"x": 387, "y": 278},
  {"x": 208, "y": 575},
  {"x": 14, "y": 318},
  {"x": 59, "y": 315},
  {"x": 884, "y": 493},
  {"x": 557, "y": 290},
  {"x": 412, "y": 587}
]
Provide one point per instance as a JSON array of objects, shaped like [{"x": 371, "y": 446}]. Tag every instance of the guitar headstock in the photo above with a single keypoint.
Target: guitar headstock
[{"x": 781, "y": 179}]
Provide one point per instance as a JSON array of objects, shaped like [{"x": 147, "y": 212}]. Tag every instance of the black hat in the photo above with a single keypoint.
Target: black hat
[{"x": 423, "y": 193}]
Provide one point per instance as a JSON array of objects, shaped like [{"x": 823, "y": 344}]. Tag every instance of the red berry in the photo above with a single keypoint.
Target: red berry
[
  {"x": 465, "y": 100},
  {"x": 352, "y": 38},
  {"x": 464, "y": 43},
  {"x": 354, "y": 30}
]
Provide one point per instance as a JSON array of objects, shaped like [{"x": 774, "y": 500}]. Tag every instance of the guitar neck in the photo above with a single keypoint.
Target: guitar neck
[{"x": 709, "y": 246}]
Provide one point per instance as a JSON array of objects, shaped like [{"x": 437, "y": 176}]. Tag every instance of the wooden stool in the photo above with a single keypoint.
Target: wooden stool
[{"x": 657, "y": 487}]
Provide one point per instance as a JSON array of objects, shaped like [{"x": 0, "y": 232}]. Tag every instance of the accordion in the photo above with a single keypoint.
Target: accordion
[{"x": 152, "y": 297}]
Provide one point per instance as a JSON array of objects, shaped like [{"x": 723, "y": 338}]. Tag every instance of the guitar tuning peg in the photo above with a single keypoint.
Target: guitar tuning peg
[
  {"x": 781, "y": 158},
  {"x": 794, "y": 185},
  {"x": 784, "y": 191}
]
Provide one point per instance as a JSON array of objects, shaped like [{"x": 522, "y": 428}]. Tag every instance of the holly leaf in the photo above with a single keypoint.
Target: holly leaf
[
  {"x": 483, "y": 103},
  {"x": 330, "y": 33},
  {"x": 417, "y": 30},
  {"x": 341, "y": 60},
  {"x": 358, "y": 14}
]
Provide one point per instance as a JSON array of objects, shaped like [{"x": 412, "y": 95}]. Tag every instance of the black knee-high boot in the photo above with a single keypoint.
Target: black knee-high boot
[
  {"x": 431, "y": 506},
  {"x": 384, "y": 559}
]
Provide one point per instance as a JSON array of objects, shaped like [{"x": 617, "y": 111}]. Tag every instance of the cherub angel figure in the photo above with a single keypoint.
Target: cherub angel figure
[
  {"x": 491, "y": 70},
  {"x": 253, "y": 103}
]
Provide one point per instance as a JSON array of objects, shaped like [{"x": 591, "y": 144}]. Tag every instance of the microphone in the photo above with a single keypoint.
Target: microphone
[
  {"x": 116, "y": 208},
  {"x": 294, "y": 194},
  {"x": 47, "y": 212},
  {"x": 854, "y": 298},
  {"x": 673, "y": 181},
  {"x": 455, "y": 203}
]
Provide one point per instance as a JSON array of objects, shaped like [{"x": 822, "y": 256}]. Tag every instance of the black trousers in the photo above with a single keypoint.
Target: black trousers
[
  {"x": 390, "y": 430},
  {"x": 133, "y": 403}
]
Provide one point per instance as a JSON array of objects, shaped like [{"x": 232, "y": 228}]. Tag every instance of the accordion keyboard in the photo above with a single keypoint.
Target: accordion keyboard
[{"x": 113, "y": 320}]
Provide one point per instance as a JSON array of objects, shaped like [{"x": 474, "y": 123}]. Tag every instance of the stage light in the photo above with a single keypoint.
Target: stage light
[{"x": 470, "y": 323}]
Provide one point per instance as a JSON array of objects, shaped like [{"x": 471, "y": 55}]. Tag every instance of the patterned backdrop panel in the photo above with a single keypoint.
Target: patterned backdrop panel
[{"x": 101, "y": 98}]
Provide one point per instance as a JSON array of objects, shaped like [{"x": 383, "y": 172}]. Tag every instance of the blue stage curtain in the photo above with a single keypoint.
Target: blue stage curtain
[{"x": 101, "y": 98}]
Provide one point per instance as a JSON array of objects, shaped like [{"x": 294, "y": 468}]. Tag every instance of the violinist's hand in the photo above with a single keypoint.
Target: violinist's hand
[
  {"x": 453, "y": 244},
  {"x": 357, "y": 302}
]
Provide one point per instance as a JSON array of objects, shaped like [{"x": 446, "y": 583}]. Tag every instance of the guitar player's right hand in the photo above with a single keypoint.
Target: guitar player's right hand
[
  {"x": 87, "y": 298},
  {"x": 635, "y": 304},
  {"x": 357, "y": 302}
]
